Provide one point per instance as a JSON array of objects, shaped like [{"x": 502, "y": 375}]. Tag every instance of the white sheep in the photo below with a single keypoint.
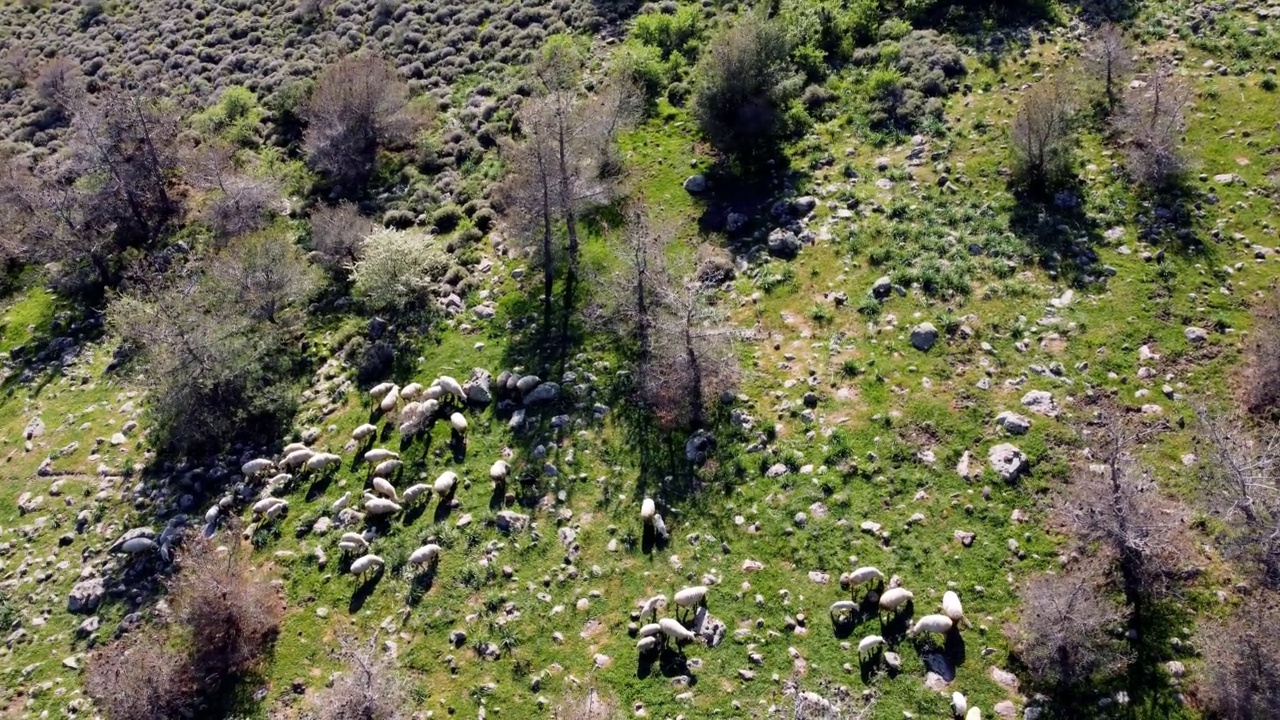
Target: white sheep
[
  {"x": 365, "y": 563},
  {"x": 354, "y": 538},
  {"x": 411, "y": 391},
  {"x": 869, "y": 643},
  {"x": 673, "y": 629},
  {"x": 959, "y": 704},
  {"x": 390, "y": 401},
  {"x": 416, "y": 492},
  {"x": 377, "y": 392},
  {"x": 973, "y": 714},
  {"x": 322, "y": 461},
  {"x": 651, "y": 606},
  {"x": 864, "y": 575},
  {"x": 425, "y": 555},
  {"x": 341, "y": 503},
  {"x": 894, "y": 598},
  {"x": 646, "y": 644},
  {"x": 377, "y": 455},
  {"x": 253, "y": 467},
  {"x": 384, "y": 488},
  {"x": 429, "y": 407},
  {"x": 940, "y": 624},
  {"x": 411, "y": 418},
  {"x": 433, "y": 393},
  {"x": 212, "y": 514},
  {"x": 137, "y": 545},
  {"x": 277, "y": 510},
  {"x": 297, "y": 458},
  {"x": 952, "y": 608},
  {"x": 650, "y": 629},
  {"x": 458, "y": 422},
  {"x": 445, "y": 483},
  {"x": 451, "y": 386},
  {"x": 380, "y": 506},
  {"x": 364, "y": 431},
  {"x": 264, "y": 505},
  {"x": 647, "y": 510},
  {"x": 499, "y": 471},
  {"x": 386, "y": 468},
  {"x": 293, "y": 447},
  {"x": 691, "y": 596},
  {"x": 659, "y": 527},
  {"x": 843, "y": 609}
]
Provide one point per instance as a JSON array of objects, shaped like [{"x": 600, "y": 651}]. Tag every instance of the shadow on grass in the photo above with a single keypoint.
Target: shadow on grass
[
  {"x": 420, "y": 585},
  {"x": 362, "y": 593}
]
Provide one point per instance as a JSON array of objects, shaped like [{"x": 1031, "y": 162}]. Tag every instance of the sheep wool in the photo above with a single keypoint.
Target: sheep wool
[
  {"x": 364, "y": 431},
  {"x": 416, "y": 492},
  {"x": 380, "y": 506},
  {"x": 691, "y": 596},
  {"x": 951, "y": 606},
  {"x": 869, "y": 643},
  {"x": 297, "y": 458},
  {"x": 458, "y": 422},
  {"x": 384, "y": 488},
  {"x": 499, "y": 470},
  {"x": 674, "y": 630},
  {"x": 377, "y": 455},
  {"x": 387, "y": 467},
  {"x": 959, "y": 704},
  {"x": 265, "y": 504},
  {"x": 411, "y": 391},
  {"x": 380, "y": 390},
  {"x": 895, "y": 598},
  {"x": 355, "y": 538},
  {"x": 650, "y": 629},
  {"x": 444, "y": 484},
  {"x": 390, "y": 401},
  {"x": 451, "y": 386},
  {"x": 322, "y": 461},
  {"x": 841, "y": 608},
  {"x": 940, "y": 624},
  {"x": 865, "y": 574},
  {"x": 341, "y": 502},
  {"x": 647, "y": 644},
  {"x": 253, "y": 467},
  {"x": 648, "y": 509},
  {"x": 973, "y": 714},
  {"x": 292, "y": 448},
  {"x": 427, "y": 554},
  {"x": 365, "y": 563}
]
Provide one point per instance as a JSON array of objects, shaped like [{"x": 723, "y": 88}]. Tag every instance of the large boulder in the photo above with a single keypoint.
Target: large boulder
[
  {"x": 86, "y": 596},
  {"x": 923, "y": 336},
  {"x": 544, "y": 393},
  {"x": 695, "y": 184},
  {"x": 511, "y": 522},
  {"x": 477, "y": 388},
  {"x": 1007, "y": 461},
  {"x": 1040, "y": 402},
  {"x": 882, "y": 287},
  {"x": 783, "y": 243},
  {"x": 1013, "y": 422}
]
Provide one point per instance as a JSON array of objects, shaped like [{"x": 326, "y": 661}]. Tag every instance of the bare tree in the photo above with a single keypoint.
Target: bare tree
[
  {"x": 338, "y": 233},
  {"x": 369, "y": 687},
  {"x": 1241, "y": 474},
  {"x": 809, "y": 705},
  {"x": 1042, "y": 134},
  {"x": 1260, "y": 389},
  {"x": 1241, "y": 678},
  {"x": 1108, "y": 58},
  {"x": 1152, "y": 122},
  {"x": 141, "y": 676},
  {"x": 591, "y": 706},
  {"x": 1067, "y": 629},
  {"x": 360, "y": 105},
  {"x": 267, "y": 274},
  {"x": 634, "y": 292},
  {"x": 240, "y": 201}
]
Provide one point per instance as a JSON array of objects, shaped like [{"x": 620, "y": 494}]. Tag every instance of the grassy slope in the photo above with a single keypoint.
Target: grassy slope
[{"x": 889, "y": 410}]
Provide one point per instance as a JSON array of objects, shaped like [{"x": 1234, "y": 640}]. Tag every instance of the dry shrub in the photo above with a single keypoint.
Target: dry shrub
[
  {"x": 369, "y": 687},
  {"x": 1242, "y": 662},
  {"x": 1042, "y": 135},
  {"x": 1068, "y": 631},
  {"x": 1152, "y": 122},
  {"x": 591, "y": 706},
  {"x": 1260, "y": 390},
  {"x": 337, "y": 233},
  {"x": 231, "y": 609},
  {"x": 142, "y": 676}
]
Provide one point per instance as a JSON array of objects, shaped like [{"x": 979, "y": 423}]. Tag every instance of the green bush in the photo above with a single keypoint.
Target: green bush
[
  {"x": 399, "y": 270},
  {"x": 681, "y": 32}
]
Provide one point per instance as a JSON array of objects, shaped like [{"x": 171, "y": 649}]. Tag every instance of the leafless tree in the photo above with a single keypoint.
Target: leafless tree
[
  {"x": 1042, "y": 134},
  {"x": 1152, "y": 123},
  {"x": 809, "y": 705},
  {"x": 591, "y": 706},
  {"x": 267, "y": 274},
  {"x": 634, "y": 293},
  {"x": 1241, "y": 475},
  {"x": 1241, "y": 679},
  {"x": 141, "y": 676},
  {"x": 1068, "y": 629},
  {"x": 239, "y": 201},
  {"x": 337, "y": 233},
  {"x": 359, "y": 106},
  {"x": 58, "y": 80},
  {"x": 1260, "y": 388},
  {"x": 1108, "y": 58},
  {"x": 369, "y": 687}
]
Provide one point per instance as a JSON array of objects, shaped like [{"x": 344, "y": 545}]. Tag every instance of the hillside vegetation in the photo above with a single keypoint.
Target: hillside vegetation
[{"x": 386, "y": 360}]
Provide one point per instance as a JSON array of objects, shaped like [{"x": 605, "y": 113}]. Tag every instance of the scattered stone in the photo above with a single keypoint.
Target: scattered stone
[
  {"x": 1040, "y": 402},
  {"x": 923, "y": 336},
  {"x": 963, "y": 537},
  {"x": 86, "y": 596},
  {"x": 1007, "y": 461},
  {"x": 1196, "y": 335},
  {"x": 695, "y": 184},
  {"x": 1014, "y": 423}
]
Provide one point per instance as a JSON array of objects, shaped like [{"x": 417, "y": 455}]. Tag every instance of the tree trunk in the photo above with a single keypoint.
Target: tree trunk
[{"x": 695, "y": 375}]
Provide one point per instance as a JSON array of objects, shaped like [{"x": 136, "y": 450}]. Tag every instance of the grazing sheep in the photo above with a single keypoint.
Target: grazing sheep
[
  {"x": 391, "y": 400},
  {"x": 292, "y": 448},
  {"x": 865, "y": 575},
  {"x": 277, "y": 510},
  {"x": 674, "y": 630},
  {"x": 411, "y": 418},
  {"x": 973, "y": 714},
  {"x": 869, "y": 644},
  {"x": 940, "y": 624},
  {"x": 365, "y": 563},
  {"x": 451, "y": 386},
  {"x": 354, "y": 538},
  {"x": 445, "y": 483},
  {"x": 429, "y": 407},
  {"x": 894, "y": 598},
  {"x": 364, "y": 431},
  {"x": 415, "y": 493},
  {"x": 691, "y": 596},
  {"x": 297, "y": 458},
  {"x": 425, "y": 555},
  {"x": 646, "y": 644},
  {"x": 952, "y": 608},
  {"x": 377, "y": 455},
  {"x": 253, "y": 467},
  {"x": 647, "y": 510},
  {"x": 458, "y": 422},
  {"x": 341, "y": 503},
  {"x": 660, "y": 527},
  {"x": 212, "y": 514},
  {"x": 322, "y": 461},
  {"x": 411, "y": 391},
  {"x": 264, "y": 505},
  {"x": 433, "y": 393},
  {"x": 843, "y": 609},
  {"x": 380, "y": 506},
  {"x": 384, "y": 488},
  {"x": 650, "y": 629},
  {"x": 387, "y": 468},
  {"x": 137, "y": 545},
  {"x": 959, "y": 704},
  {"x": 377, "y": 392},
  {"x": 651, "y": 606},
  {"x": 499, "y": 470}
]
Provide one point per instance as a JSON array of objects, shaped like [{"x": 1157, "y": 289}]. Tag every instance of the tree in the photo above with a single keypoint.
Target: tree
[
  {"x": 369, "y": 688},
  {"x": 1260, "y": 389},
  {"x": 141, "y": 676},
  {"x": 1108, "y": 58},
  {"x": 338, "y": 233},
  {"x": 634, "y": 292},
  {"x": 239, "y": 202},
  {"x": 744, "y": 83},
  {"x": 1042, "y": 135},
  {"x": 400, "y": 270},
  {"x": 267, "y": 274},
  {"x": 1067, "y": 629},
  {"x": 1241, "y": 678},
  {"x": 1151, "y": 123},
  {"x": 359, "y": 107}
]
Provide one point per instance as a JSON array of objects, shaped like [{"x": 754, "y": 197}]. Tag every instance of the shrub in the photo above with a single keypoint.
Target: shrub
[
  {"x": 141, "y": 676},
  {"x": 337, "y": 233},
  {"x": 369, "y": 687},
  {"x": 446, "y": 218},
  {"x": 1261, "y": 387},
  {"x": 1241, "y": 678},
  {"x": 1042, "y": 136},
  {"x": 266, "y": 274},
  {"x": 680, "y": 32},
  {"x": 1067, "y": 630},
  {"x": 1152, "y": 123},
  {"x": 400, "y": 270},
  {"x": 744, "y": 83}
]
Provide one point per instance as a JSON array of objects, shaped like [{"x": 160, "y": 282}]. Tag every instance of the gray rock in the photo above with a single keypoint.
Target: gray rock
[
  {"x": 1013, "y": 422},
  {"x": 783, "y": 243},
  {"x": 544, "y": 393},
  {"x": 777, "y": 470},
  {"x": 695, "y": 184},
  {"x": 882, "y": 287},
  {"x": 1007, "y": 461},
  {"x": 478, "y": 387},
  {"x": 34, "y": 429},
  {"x": 1005, "y": 678},
  {"x": 527, "y": 383},
  {"x": 1040, "y": 402},
  {"x": 923, "y": 336},
  {"x": 802, "y": 206},
  {"x": 734, "y": 222},
  {"x": 511, "y": 522},
  {"x": 1196, "y": 334},
  {"x": 86, "y": 596}
]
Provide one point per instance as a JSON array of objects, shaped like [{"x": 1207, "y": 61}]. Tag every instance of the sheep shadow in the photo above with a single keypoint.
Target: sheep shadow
[
  {"x": 843, "y": 625},
  {"x": 443, "y": 509},
  {"x": 650, "y": 540},
  {"x": 420, "y": 585},
  {"x": 895, "y": 629},
  {"x": 954, "y": 647},
  {"x": 936, "y": 662},
  {"x": 497, "y": 499},
  {"x": 458, "y": 446},
  {"x": 414, "y": 512},
  {"x": 362, "y": 593},
  {"x": 672, "y": 662},
  {"x": 319, "y": 486},
  {"x": 869, "y": 665}
]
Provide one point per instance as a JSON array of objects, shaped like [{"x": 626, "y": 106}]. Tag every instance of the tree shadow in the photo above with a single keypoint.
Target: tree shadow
[{"x": 1059, "y": 233}]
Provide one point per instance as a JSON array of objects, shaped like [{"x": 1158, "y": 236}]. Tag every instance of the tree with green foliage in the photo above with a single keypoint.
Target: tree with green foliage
[
  {"x": 744, "y": 84},
  {"x": 399, "y": 270}
]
